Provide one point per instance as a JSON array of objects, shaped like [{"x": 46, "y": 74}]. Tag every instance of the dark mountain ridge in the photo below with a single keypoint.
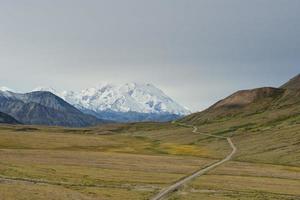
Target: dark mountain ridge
[{"x": 44, "y": 108}]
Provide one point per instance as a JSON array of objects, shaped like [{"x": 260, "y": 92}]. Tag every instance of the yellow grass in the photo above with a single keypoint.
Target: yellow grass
[{"x": 91, "y": 164}]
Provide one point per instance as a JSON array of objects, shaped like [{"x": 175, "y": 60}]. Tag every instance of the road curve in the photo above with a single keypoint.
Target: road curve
[{"x": 200, "y": 172}]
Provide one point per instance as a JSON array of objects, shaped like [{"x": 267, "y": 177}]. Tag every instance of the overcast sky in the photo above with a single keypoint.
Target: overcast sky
[{"x": 197, "y": 51}]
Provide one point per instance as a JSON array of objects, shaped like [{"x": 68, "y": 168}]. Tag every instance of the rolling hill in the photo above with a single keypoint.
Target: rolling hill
[
  {"x": 264, "y": 125},
  {"x": 265, "y": 105},
  {"x": 264, "y": 121}
]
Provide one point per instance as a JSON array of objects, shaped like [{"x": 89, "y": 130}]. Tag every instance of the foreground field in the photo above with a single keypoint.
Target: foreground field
[
  {"x": 136, "y": 161},
  {"x": 99, "y": 163}
]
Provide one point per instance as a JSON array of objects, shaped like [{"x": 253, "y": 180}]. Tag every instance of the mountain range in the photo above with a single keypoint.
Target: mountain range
[
  {"x": 144, "y": 102},
  {"x": 130, "y": 102},
  {"x": 106, "y": 103},
  {"x": 43, "y": 108}
]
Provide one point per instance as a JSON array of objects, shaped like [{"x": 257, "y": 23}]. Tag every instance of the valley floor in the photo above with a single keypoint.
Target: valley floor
[{"x": 136, "y": 161}]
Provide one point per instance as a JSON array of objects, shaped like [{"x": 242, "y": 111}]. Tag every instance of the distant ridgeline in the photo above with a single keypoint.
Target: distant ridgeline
[{"x": 144, "y": 102}]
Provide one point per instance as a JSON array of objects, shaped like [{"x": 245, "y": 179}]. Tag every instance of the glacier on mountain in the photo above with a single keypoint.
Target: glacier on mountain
[{"x": 135, "y": 98}]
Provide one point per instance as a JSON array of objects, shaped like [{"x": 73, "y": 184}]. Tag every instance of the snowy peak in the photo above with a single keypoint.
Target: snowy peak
[{"x": 129, "y": 97}]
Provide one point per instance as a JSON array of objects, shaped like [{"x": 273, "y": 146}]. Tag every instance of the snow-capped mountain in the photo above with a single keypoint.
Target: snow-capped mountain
[{"x": 138, "y": 99}]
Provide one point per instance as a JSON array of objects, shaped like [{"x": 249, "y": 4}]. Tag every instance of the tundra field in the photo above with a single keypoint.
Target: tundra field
[
  {"x": 136, "y": 161},
  {"x": 150, "y": 100}
]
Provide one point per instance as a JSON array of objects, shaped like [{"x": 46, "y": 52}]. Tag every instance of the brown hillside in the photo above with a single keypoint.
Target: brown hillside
[
  {"x": 245, "y": 97},
  {"x": 265, "y": 104}
]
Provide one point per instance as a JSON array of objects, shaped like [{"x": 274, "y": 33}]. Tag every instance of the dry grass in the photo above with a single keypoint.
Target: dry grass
[
  {"x": 134, "y": 161},
  {"x": 266, "y": 166},
  {"x": 127, "y": 163}
]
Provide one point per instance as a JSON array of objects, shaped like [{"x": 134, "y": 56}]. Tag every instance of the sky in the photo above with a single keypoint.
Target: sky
[{"x": 196, "y": 51}]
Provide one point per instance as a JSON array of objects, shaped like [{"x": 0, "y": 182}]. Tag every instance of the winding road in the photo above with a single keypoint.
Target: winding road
[{"x": 165, "y": 192}]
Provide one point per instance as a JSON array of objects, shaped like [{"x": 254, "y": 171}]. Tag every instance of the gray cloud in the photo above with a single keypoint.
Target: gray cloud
[{"x": 197, "y": 51}]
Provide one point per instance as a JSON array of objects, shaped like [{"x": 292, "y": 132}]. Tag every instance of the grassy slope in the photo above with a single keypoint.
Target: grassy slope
[
  {"x": 267, "y": 164},
  {"x": 266, "y": 131}
]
